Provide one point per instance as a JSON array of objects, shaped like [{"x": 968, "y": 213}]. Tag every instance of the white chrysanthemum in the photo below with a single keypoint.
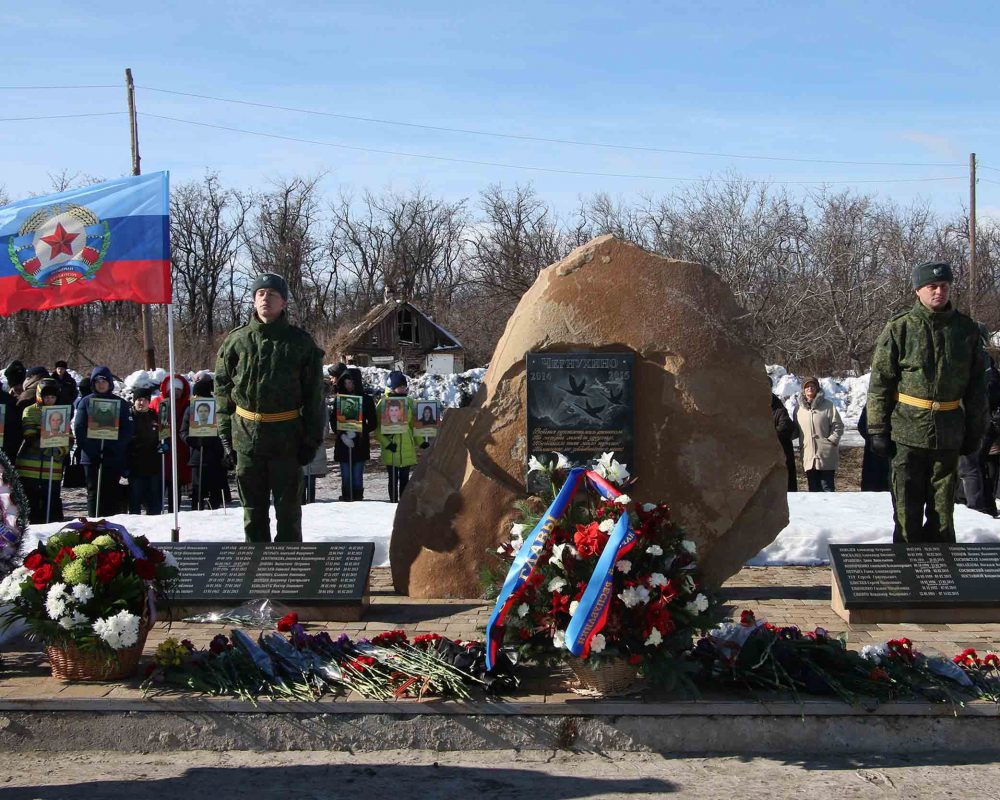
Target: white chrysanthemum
[
  {"x": 658, "y": 579},
  {"x": 606, "y": 525},
  {"x": 647, "y": 507},
  {"x": 634, "y": 596},
  {"x": 559, "y": 639},
  {"x": 557, "y": 584},
  {"x": 623, "y": 499},
  {"x": 83, "y": 593},
  {"x": 654, "y": 639},
  {"x": 55, "y": 601},
  {"x": 523, "y": 609},
  {"x": 654, "y": 550},
  {"x": 10, "y": 587},
  {"x": 573, "y": 606},
  {"x": 698, "y": 605},
  {"x": 74, "y": 620},
  {"x": 598, "y": 643},
  {"x": 690, "y": 546},
  {"x": 873, "y": 653},
  {"x": 119, "y": 631},
  {"x": 624, "y": 566},
  {"x": 517, "y": 531},
  {"x": 169, "y": 560}
]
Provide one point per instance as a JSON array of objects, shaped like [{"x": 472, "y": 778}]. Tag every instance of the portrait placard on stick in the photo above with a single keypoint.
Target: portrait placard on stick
[
  {"x": 102, "y": 418},
  {"x": 202, "y": 422},
  {"x": 164, "y": 419},
  {"x": 55, "y": 426},
  {"x": 428, "y": 418},
  {"x": 394, "y": 416},
  {"x": 349, "y": 413}
]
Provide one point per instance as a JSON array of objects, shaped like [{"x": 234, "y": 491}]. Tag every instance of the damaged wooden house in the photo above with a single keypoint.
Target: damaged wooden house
[{"x": 397, "y": 335}]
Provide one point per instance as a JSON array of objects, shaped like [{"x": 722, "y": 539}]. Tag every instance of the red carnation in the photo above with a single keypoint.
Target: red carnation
[
  {"x": 560, "y": 603},
  {"x": 145, "y": 569},
  {"x": 747, "y": 618},
  {"x": 42, "y": 576},
  {"x": 34, "y": 561},
  {"x": 286, "y": 622},
  {"x": 64, "y": 554},
  {"x": 108, "y": 565}
]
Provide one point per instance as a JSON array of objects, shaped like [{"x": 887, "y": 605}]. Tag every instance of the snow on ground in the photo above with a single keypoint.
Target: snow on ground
[
  {"x": 817, "y": 519},
  {"x": 321, "y": 522}
]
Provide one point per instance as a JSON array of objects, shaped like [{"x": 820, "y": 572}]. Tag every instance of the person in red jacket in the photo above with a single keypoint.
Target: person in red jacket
[{"x": 182, "y": 397}]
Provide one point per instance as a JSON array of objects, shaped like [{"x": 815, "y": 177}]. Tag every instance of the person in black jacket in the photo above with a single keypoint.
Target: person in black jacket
[
  {"x": 145, "y": 467},
  {"x": 353, "y": 449},
  {"x": 786, "y": 431},
  {"x": 68, "y": 391},
  {"x": 978, "y": 478},
  {"x": 874, "y": 468}
]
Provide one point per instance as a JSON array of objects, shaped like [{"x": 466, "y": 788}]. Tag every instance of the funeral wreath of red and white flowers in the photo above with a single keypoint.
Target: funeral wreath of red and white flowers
[{"x": 657, "y": 605}]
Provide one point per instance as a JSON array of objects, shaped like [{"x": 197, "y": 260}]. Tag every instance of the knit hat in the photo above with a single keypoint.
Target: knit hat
[
  {"x": 269, "y": 280},
  {"x": 142, "y": 393},
  {"x": 931, "y": 272},
  {"x": 46, "y": 386},
  {"x": 396, "y": 379}
]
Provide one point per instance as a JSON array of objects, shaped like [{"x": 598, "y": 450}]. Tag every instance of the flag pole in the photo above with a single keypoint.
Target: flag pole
[{"x": 175, "y": 532}]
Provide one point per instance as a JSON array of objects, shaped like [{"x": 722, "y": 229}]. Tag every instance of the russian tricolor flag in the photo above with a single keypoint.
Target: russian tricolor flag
[{"x": 110, "y": 241}]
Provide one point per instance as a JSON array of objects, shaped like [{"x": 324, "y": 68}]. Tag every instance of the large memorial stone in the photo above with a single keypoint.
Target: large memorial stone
[{"x": 704, "y": 437}]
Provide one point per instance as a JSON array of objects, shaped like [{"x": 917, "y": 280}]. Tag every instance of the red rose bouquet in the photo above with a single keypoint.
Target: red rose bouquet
[{"x": 89, "y": 586}]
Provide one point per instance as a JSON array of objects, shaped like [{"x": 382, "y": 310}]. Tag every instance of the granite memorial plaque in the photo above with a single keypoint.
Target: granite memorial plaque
[
  {"x": 301, "y": 574},
  {"x": 581, "y": 405},
  {"x": 916, "y": 581}
]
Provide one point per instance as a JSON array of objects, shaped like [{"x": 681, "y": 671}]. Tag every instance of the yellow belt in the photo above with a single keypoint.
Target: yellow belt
[
  {"x": 933, "y": 405},
  {"x": 281, "y": 416}
]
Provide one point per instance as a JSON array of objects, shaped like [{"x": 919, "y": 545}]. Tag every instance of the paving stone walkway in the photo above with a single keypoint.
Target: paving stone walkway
[{"x": 782, "y": 595}]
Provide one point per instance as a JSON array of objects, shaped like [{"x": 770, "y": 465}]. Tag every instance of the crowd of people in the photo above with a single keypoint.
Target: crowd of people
[{"x": 133, "y": 470}]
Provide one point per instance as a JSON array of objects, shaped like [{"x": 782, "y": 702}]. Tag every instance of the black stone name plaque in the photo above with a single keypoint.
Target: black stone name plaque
[
  {"x": 313, "y": 573},
  {"x": 917, "y": 575}
]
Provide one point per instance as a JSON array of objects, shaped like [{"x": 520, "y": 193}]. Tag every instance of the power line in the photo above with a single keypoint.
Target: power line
[
  {"x": 44, "y": 88},
  {"x": 546, "y": 139},
  {"x": 65, "y": 116},
  {"x": 503, "y": 165}
]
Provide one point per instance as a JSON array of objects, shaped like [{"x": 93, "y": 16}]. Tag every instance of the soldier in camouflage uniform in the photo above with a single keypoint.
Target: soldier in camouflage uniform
[
  {"x": 269, "y": 399},
  {"x": 927, "y": 405}
]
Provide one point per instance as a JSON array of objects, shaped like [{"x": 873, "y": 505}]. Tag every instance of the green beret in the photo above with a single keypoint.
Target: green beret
[
  {"x": 931, "y": 272},
  {"x": 269, "y": 280}
]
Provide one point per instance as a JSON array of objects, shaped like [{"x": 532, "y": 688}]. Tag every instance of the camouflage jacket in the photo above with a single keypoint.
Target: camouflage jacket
[
  {"x": 269, "y": 369},
  {"x": 932, "y": 356}
]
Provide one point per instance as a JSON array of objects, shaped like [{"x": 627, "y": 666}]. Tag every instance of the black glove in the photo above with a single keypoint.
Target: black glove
[
  {"x": 306, "y": 453},
  {"x": 228, "y": 455},
  {"x": 391, "y": 447},
  {"x": 970, "y": 445},
  {"x": 881, "y": 445},
  {"x": 425, "y": 444}
]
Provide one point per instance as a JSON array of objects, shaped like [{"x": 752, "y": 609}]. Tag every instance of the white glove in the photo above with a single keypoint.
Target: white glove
[{"x": 347, "y": 439}]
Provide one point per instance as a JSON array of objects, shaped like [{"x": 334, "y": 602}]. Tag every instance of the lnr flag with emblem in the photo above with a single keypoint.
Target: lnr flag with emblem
[{"x": 110, "y": 241}]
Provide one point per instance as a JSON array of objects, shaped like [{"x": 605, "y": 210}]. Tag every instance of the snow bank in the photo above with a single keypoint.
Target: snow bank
[
  {"x": 321, "y": 522},
  {"x": 451, "y": 391},
  {"x": 849, "y": 394},
  {"x": 817, "y": 519}
]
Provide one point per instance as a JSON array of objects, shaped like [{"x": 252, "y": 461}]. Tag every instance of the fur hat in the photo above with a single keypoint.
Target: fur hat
[{"x": 931, "y": 272}]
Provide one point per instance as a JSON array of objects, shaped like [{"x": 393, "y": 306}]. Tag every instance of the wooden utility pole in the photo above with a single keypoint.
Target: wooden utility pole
[
  {"x": 149, "y": 351},
  {"x": 973, "y": 275}
]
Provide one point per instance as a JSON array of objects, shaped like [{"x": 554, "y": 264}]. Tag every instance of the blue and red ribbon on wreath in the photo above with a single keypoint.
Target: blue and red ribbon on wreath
[{"x": 592, "y": 612}]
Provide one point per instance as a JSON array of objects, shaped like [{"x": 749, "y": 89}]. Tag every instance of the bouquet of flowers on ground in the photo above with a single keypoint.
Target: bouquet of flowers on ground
[
  {"x": 88, "y": 586},
  {"x": 655, "y": 603},
  {"x": 304, "y": 666},
  {"x": 755, "y": 654}
]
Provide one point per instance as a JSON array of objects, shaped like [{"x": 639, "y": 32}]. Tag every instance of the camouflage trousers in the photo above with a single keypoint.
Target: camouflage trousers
[
  {"x": 257, "y": 481},
  {"x": 923, "y": 491}
]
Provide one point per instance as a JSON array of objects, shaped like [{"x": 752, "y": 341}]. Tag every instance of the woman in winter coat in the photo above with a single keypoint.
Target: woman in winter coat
[
  {"x": 37, "y": 464},
  {"x": 820, "y": 429},
  {"x": 352, "y": 449}
]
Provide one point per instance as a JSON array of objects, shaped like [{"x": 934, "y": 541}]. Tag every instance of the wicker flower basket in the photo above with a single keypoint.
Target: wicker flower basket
[
  {"x": 71, "y": 664},
  {"x": 613, "y": 679}
]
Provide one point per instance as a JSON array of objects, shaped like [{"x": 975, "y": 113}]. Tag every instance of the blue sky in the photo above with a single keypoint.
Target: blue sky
[{"x": 852, "y": 81}]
